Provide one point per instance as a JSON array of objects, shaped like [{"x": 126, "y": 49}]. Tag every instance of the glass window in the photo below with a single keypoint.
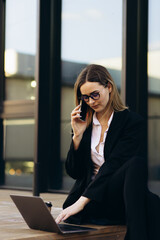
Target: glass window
[
  {"x": 91, "y": 33},
  {"x": 154, "y": 90},
  {"x": 20, "y": 49},
  {"x": 19, "y": 152}
]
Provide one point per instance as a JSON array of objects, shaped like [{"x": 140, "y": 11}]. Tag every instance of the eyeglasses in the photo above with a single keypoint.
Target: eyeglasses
[{"x": 94, "y": 96}]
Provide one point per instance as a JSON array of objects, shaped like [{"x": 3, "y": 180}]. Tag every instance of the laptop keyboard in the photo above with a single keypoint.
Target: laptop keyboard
[{"x": 65, "y": 227}]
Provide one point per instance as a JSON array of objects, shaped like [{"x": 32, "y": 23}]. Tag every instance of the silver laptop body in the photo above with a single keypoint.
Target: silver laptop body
[{"x": 37, "y": 216}]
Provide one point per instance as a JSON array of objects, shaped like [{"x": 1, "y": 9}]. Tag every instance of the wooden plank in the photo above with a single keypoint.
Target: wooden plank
[
  {"x": 23, "y": 232},
  {"x": 13, "y": 227}
]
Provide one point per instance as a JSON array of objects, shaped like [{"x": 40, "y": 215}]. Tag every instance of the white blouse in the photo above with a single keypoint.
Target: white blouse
[{"x": 98, "y": 157}]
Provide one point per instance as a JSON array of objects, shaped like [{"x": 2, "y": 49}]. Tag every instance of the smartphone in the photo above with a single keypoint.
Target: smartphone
[{"x": 83, "y": 111}]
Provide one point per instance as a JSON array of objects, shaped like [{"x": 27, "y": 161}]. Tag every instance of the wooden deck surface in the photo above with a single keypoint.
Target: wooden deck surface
[{"x": 13, "y": 227}]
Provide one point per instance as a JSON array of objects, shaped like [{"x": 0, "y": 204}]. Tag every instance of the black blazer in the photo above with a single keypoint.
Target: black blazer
[{"x": 125, "y": 139}]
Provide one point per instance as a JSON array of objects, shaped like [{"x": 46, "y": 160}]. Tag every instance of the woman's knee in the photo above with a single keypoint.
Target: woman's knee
[
  {"x": 137, "y": 165},
  {"x": 136, "y": 176},
  {"x": 137, "y": 168},
  {"x": 134, "y": 162},
  {"x": 137, "y": 160}
]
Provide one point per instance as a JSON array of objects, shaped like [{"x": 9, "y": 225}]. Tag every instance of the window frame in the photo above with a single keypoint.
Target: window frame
[{"x": 46, "y": 107}]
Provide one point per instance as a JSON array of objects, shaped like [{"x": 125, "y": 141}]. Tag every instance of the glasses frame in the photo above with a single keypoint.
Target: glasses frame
[{"x": 90, "y": 96}]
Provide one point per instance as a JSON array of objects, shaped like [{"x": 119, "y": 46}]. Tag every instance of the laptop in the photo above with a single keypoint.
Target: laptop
[{"x": 37, "y": 216}]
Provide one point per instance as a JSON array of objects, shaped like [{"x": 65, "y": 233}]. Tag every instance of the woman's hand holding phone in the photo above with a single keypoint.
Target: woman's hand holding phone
[{"x": 78, "y": 126}]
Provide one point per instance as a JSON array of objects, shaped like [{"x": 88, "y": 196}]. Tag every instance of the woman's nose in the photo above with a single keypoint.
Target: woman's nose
[{"x": 91, "y": 101}]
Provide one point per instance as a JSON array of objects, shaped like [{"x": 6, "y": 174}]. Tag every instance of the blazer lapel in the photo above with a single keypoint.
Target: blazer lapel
[{"x": 113, "y": 132}]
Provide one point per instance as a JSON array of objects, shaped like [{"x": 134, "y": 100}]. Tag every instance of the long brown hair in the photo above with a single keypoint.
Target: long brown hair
[{"x": 98, "y": 73}]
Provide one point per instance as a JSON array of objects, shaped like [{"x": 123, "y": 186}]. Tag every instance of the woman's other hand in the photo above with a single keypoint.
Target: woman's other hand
[{"x": 73, "y": 209}]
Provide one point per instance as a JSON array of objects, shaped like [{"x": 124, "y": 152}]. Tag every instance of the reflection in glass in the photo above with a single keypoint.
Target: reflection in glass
[
  {"x": 19, "y": 152},
  {"x": 20, "y": 49},
  {"x": 19, "y": 174},
  {"x": 154, "y": 91},
  {"x": 91, "y": 33}
]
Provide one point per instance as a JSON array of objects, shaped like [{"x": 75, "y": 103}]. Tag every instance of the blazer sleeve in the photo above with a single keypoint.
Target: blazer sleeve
[
  {"x": 77, "y": 160},
  {"x": 129, "y": 144}
]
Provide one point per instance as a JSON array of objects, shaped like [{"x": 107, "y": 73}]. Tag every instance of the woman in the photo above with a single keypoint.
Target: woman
[{"x": 108, "y": 160}]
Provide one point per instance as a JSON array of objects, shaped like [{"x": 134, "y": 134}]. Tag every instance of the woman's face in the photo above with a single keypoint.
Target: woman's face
[{"x": 99, "y": 105}]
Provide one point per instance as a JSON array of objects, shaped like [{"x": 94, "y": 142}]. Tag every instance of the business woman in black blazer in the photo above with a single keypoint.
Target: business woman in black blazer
[{"x": 114, "y": 191}]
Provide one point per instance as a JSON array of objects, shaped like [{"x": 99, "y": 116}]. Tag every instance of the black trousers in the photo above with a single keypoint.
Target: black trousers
[{"x": 127, "y": 200}]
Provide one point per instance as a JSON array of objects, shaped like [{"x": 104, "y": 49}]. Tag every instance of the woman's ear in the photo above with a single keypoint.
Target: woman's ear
[{"x": 109, "y": 85}]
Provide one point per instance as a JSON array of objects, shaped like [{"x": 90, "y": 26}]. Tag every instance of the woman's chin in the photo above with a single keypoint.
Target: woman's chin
[
  {"x": 99, "y": 109},
  {"x": 96, "y": 108}
]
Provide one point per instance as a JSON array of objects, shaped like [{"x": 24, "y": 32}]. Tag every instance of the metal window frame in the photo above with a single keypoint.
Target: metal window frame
[
  {"x": 2, "y": 43},
  {"x": 134, "y": 76},
  {"x": 46, "y": 107},
  {"x": 47, "y": 171},
  {"x": 9, "y": 109},
  {"x": 134, "y": 55},
  {"x": 2, "y": 40}
]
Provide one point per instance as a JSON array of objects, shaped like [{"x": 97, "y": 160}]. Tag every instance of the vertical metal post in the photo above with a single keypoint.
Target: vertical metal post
[
  {"x": 134, "y": 73},
  {"x": 2, "y": 47},
  {"x": 47, "y": 170},
  {"x": 42, "y": 98},
  {"x": 129, "y": 53},
  {"x": 142, "y": 51},
  {"x": 55, "y": 168},
  {"x": 134, "y": 67},
  {"x": 36, "y": 161}
]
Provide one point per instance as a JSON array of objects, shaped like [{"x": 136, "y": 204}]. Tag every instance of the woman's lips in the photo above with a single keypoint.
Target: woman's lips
[{"x": 94, "y": 107}]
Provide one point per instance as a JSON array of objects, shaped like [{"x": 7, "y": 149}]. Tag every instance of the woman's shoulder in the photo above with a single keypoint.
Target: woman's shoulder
[
  {"x": 129, "y": 114},
  {"x": 129, "y": 117},
  {"x": 134, "y": 116}
]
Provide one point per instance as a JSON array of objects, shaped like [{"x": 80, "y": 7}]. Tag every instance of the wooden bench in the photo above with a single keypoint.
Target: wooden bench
[{"x": 13, "y": 227}]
